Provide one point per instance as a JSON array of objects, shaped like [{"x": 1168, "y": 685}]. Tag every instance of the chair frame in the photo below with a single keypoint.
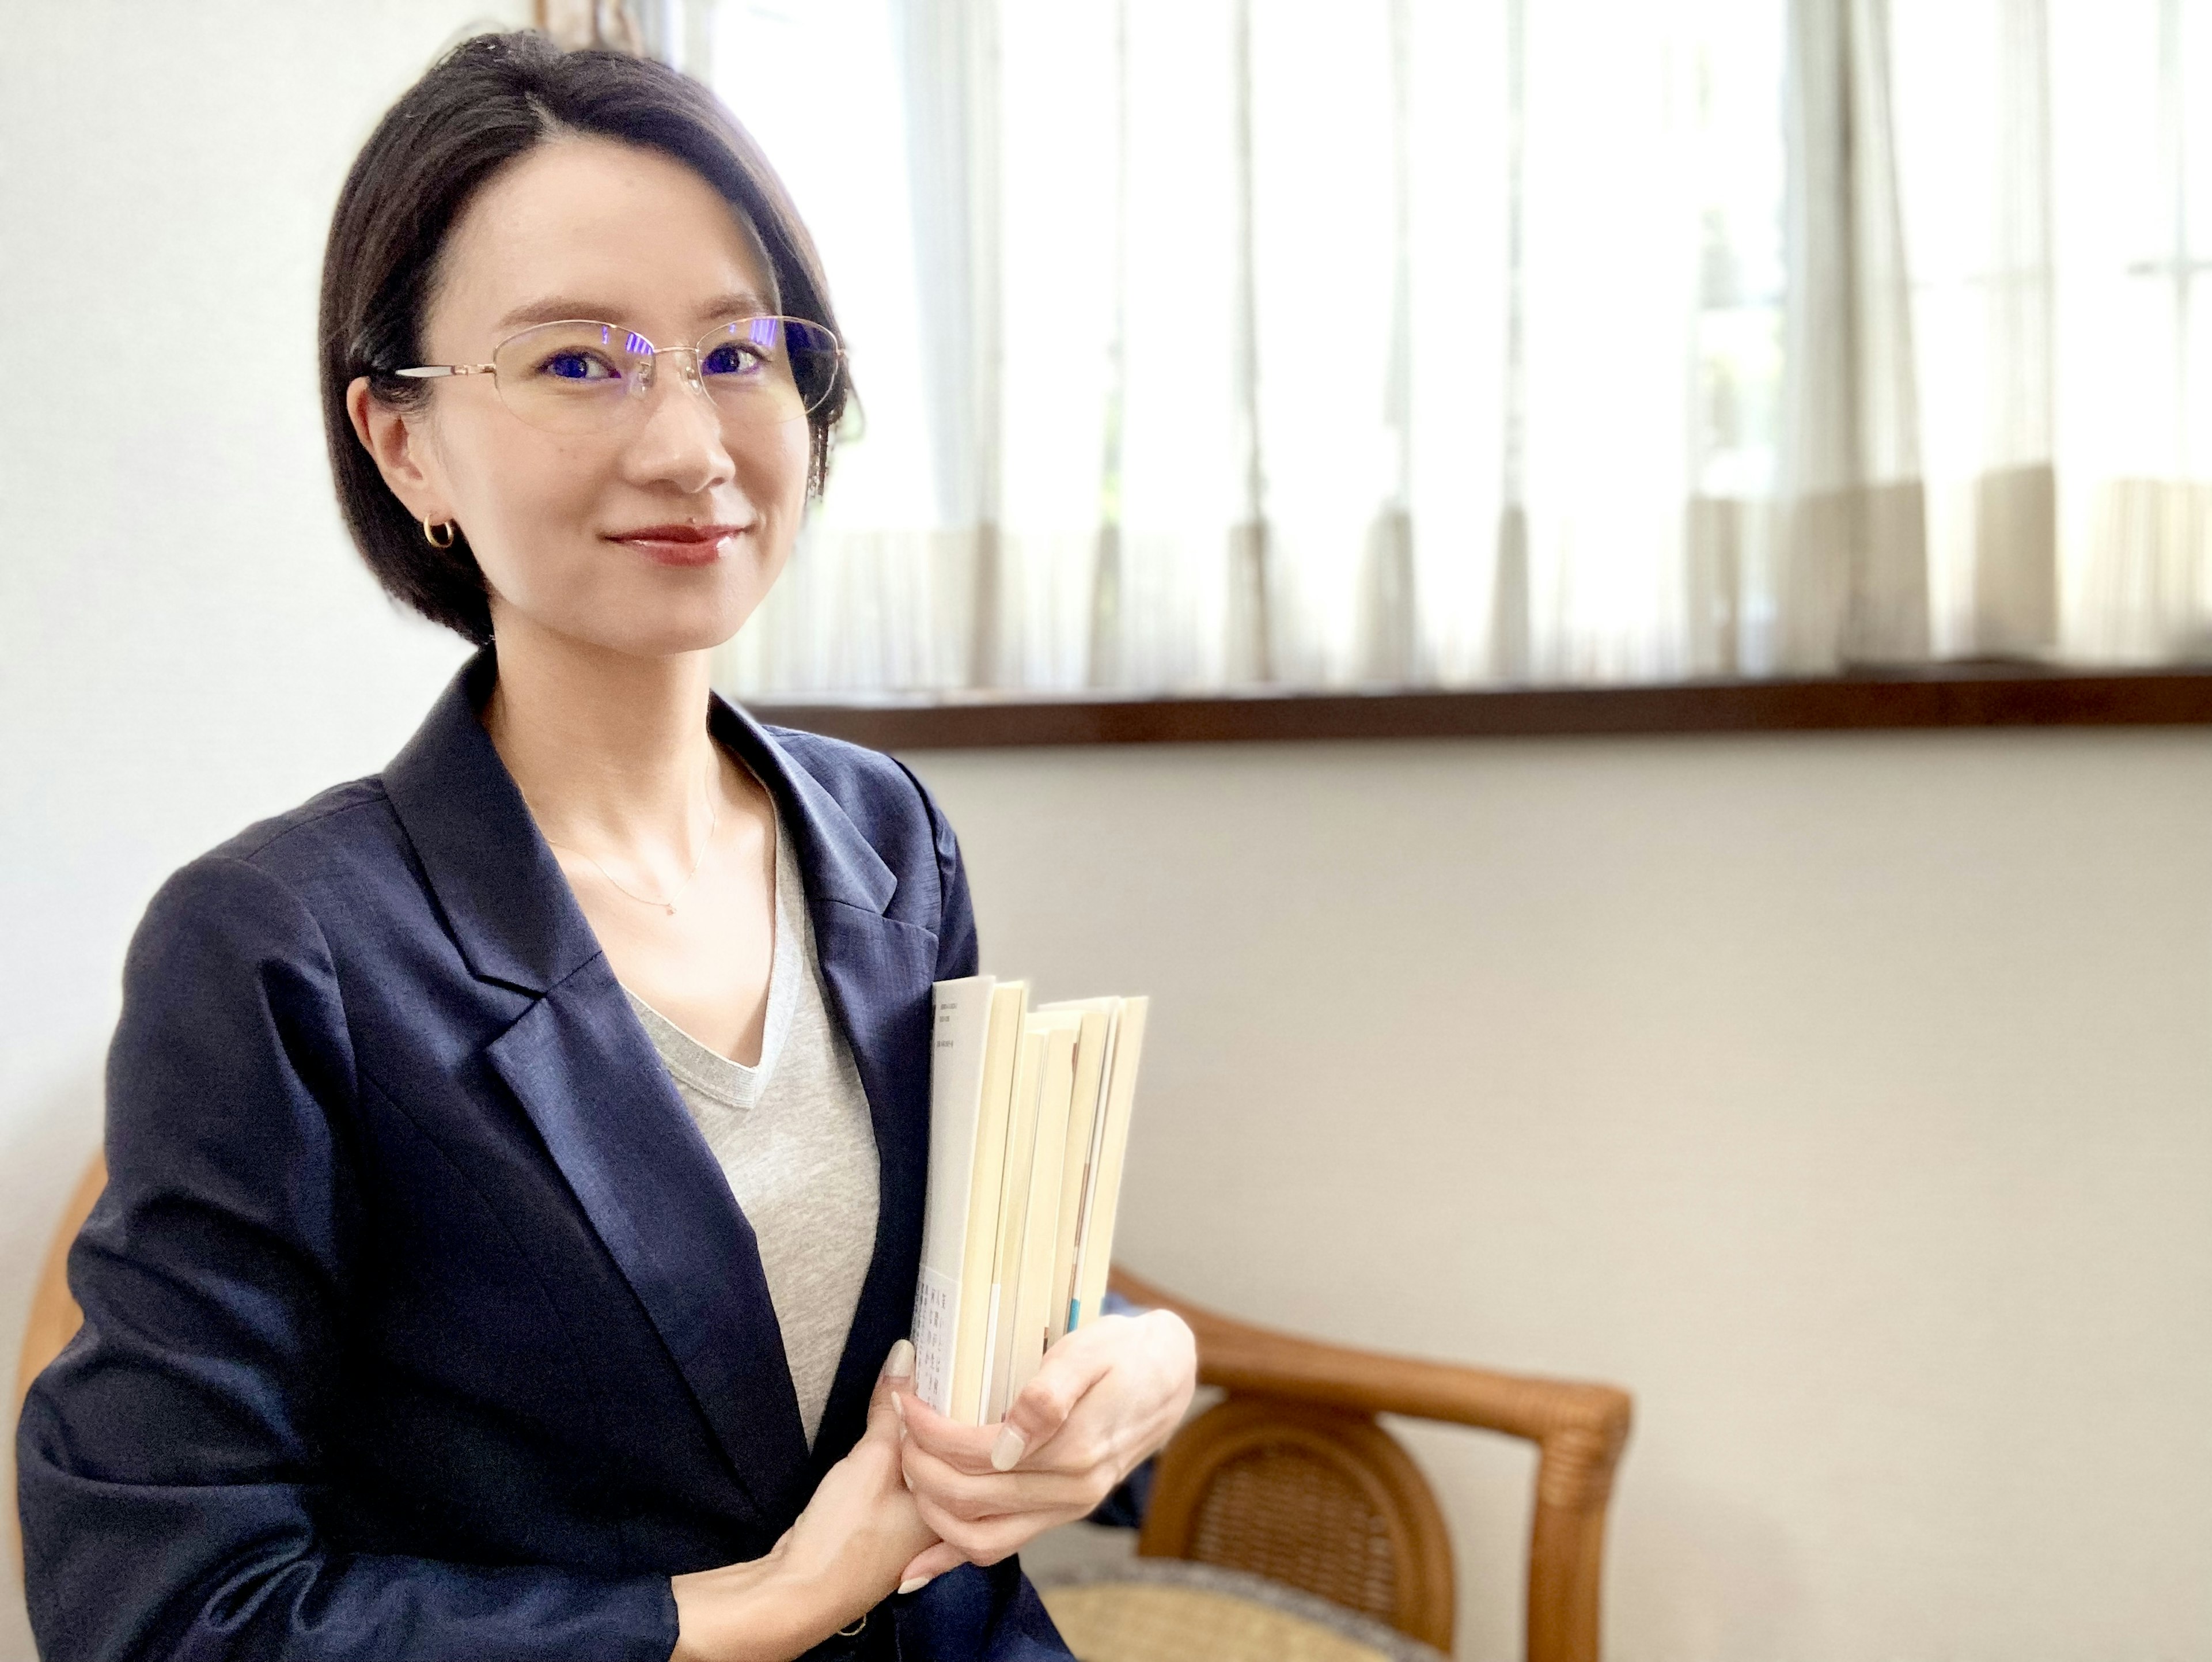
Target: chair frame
[
  {"x": 1282, "y": 1388},
  {"x": 55, "y": 1317}
]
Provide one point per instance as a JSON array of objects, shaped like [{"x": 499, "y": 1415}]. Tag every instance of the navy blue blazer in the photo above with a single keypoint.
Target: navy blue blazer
[{"x": 420, "y": 1322}]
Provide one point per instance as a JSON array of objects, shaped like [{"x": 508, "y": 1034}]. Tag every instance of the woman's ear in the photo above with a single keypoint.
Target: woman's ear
[{"x": 386, "y": 433}]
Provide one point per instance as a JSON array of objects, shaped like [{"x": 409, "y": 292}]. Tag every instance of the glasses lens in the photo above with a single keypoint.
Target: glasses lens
[
  {"x": 569, "y": 377},
  {"x": 763, "y": 371}
]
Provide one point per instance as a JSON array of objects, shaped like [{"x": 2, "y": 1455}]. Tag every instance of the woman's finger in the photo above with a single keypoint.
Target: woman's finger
[
  {"x": 929, "y": 1564},
  {"x": 1070, "y": 1368},
  {"x": 987, "y": 1540},
  {"x": 968, "y": 1447},
  {"x": 988, "y": 1494},
  {"x": 898, "y": 1375},
  {"x": 997, "y": 1495}
]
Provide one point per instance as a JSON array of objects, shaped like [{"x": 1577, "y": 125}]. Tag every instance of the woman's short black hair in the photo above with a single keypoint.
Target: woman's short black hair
[{"x": 487, "y": 101}]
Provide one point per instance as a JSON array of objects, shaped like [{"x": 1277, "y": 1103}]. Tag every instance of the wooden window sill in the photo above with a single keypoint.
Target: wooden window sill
[{"x": 1944, "y": 696}]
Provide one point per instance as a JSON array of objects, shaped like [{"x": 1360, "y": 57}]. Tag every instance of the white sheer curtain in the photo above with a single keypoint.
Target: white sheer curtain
[
  {"x": 1222, "y": 343},
  {"x": 2131, "y": 202}
]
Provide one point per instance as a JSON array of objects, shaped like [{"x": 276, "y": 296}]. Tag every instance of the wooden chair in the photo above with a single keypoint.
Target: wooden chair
[
  {"x": 55, "y": 1318},
  {"x": 1291, "y": 1477}
]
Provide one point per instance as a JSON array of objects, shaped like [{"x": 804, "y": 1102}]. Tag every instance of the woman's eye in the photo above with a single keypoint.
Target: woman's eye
[
  {"x": 731, "y": 359},
  {"x": 578, "y": 366}
]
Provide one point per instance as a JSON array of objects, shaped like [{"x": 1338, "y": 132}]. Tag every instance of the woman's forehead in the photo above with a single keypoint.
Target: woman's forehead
[{"x": 591, "y": 228}]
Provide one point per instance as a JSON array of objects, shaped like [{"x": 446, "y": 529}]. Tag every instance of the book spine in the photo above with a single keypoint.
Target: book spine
[
  {"x": 959, "y": 1023},
  {"x": 936, "y": 1321}
]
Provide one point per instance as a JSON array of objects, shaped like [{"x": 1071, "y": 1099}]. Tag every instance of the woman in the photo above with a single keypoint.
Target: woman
[{"x": 516, "y": 1159}]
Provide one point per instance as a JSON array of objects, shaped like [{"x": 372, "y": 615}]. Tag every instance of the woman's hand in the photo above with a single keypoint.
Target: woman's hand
[
  {"x": 843, "y": 1556},
  {"x": 1106, "y": 1395}
]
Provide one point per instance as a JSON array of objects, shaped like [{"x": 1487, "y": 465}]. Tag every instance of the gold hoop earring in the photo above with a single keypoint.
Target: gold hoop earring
[{"x": 430, "y": 533}]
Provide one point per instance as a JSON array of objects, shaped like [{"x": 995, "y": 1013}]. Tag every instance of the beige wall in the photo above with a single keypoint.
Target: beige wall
[{"x": 1845, "y": 1099}]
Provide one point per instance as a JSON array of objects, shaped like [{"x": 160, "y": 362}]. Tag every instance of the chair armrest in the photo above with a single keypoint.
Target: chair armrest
[{"x": 1239, "y": 1356}]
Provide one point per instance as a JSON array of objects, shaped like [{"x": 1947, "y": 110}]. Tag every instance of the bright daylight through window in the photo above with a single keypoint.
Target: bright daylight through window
[{"x": 1225, "y": 342}]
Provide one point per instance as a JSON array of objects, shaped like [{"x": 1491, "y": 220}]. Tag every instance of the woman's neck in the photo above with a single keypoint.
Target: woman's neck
[{"x": 611, "y": 751}]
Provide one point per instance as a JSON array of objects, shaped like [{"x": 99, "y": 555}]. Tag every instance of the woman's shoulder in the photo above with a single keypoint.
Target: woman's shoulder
[
  {"x": 328, "y": 837},
  {"x": 875, "y": 790},
  {"x": 290, "y": 871}
]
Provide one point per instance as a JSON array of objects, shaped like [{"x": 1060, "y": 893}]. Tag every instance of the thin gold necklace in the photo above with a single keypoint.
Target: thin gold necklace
[{"x": 666, "y": 903}]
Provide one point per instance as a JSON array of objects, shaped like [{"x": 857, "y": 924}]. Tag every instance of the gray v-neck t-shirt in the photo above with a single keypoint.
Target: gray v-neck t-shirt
[{"x": 794, "y": 1137}]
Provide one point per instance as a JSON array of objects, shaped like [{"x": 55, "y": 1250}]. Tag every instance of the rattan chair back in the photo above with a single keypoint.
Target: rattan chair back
[{"x": 1313, "y": 1497}]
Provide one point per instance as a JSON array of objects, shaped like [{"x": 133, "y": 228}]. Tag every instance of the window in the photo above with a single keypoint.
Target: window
[{"x": 1214, "y": 343}]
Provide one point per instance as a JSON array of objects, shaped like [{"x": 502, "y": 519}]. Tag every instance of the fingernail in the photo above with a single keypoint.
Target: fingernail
[
  {"x": 913, "y": 1584},
  {"x": 900, "y": 1366},
  {"x": 908, "y": 1481},
  {"x": 1006, "y": 1454}
]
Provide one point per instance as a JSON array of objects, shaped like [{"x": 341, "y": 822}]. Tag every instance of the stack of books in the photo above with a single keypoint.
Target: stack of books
[{"x": 1029, "y": 1121}]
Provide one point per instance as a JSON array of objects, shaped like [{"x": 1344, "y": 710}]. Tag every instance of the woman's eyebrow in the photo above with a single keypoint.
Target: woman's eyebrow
[
  {"x": 742, "y": 304},
  {"x": 560, "y": 309}
]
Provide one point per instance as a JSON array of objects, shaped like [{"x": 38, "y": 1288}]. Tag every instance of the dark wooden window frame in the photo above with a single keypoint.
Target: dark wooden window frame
[{"x": 1947, "y": 696}]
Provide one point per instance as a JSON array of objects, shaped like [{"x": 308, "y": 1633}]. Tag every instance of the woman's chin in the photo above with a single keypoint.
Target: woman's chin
[
  {"x": 653, "y": 618},
  {"x": 662, "y": 631}
]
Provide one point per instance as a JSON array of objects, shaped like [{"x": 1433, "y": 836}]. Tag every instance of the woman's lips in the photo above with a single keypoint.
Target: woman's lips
[{"x": 678, "y": 545}]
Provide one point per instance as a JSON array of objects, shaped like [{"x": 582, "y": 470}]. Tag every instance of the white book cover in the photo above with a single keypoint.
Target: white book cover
[
  {"x": 1094, "y": 1047},
  {"x": 959, "y": 1027},
  {"x": 1094, "y": 1253},
  {"x": 1013, "y": 1212},
  {"x": 1034, "y": 1297}
]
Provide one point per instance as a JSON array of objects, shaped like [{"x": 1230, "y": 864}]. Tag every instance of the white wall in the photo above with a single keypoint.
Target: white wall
[
  {"x": 186, "y": 639},
  {"x": 1845, "y": 1099}
]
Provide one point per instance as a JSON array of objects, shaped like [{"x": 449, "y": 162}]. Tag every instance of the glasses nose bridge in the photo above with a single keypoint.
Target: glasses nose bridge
[{"x": 649, "y": 367}]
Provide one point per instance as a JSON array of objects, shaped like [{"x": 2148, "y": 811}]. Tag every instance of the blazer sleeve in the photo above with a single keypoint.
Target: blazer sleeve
[{"x": 171, "y": 1460}]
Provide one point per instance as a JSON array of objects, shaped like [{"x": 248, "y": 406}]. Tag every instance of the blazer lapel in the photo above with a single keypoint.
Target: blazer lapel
[
  {"x": 591, "y": 1084},
  {"x": 877, "y": 969}
]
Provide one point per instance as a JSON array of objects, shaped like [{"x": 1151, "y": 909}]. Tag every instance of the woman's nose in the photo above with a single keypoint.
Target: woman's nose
[{"x": 681, "y": 437}]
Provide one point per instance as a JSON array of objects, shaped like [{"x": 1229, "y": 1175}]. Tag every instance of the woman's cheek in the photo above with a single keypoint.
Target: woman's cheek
[{"x": 777, "y": 476}]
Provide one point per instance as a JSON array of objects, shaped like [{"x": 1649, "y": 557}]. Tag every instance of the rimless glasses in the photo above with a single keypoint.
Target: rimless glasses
[{"x": 581, "y": 377}]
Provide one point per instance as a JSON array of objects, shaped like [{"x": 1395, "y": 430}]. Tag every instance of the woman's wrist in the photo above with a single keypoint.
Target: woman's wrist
[{"x": 767, "y": 1609}]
